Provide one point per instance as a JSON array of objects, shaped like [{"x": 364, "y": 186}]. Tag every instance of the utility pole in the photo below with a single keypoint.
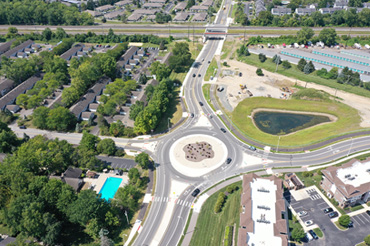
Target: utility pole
[{"x": 277, "y": 148}]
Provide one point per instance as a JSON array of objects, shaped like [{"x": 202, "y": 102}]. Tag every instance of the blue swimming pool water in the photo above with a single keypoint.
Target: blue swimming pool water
[{"x": 110, "y": 188}]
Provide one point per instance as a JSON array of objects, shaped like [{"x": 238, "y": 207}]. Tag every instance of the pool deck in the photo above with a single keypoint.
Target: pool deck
[{"x": 99, "y": 182}]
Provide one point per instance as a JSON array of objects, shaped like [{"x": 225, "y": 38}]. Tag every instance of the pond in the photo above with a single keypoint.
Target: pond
[{"x": 278, "y": 123}]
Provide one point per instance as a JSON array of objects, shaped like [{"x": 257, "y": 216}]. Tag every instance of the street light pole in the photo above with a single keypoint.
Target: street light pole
[
  {"x": 350, "y": 147},
  {"x": 277, "y": 148}
]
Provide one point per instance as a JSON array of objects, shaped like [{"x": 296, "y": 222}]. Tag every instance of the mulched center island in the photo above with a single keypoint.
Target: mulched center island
[{"x": 198, "y": 151}]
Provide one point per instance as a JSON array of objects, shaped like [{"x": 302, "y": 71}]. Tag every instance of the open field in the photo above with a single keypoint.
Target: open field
[
  {"x": 294, "y": 72},
  {"x": 210, "y": 227},
  {"x": 348, "y": 120}
]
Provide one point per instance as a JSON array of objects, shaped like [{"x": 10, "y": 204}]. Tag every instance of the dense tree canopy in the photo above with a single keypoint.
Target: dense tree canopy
[
  {"x": 60, "y": 119},
  {"x": 181, "y": 60}
]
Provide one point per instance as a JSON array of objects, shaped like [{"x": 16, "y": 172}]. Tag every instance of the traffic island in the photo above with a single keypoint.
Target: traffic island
[{"x": 197, "y": 154}]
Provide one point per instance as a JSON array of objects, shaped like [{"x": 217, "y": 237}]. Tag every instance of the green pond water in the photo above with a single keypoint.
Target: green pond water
[{"x": 277, "y": 123}]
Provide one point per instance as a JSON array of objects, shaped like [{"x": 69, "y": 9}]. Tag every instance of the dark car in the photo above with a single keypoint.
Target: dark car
[
  {"x": 209, "y": 62},
  {"x": 368, "y": 212},
  {"x": 252, "y": 148},
  {"x": 313, "y": 234},
  {"x": 192, "y": 115},
  {"x": 228, "y": 160},
  {"x": 194, "y": 75},
  {"x": 22, "y": 127},
  {"x": 201, "y": 104},
  {"x": 223, "y": 130},
  {"x": 333, "y": 215},
  {"x": 328, "y": 210},
  {"x": 195, "y": 192},
  {"x": 240, "y": 74},
  {"x": 199, "y": 75},
  {"x": 350, "y": 224}
]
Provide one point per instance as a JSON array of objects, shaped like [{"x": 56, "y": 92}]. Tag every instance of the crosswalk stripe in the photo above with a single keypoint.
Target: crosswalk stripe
[
  {"x": 181, "y": 202},
  {"x": 166, "y": 199},
  {"x": 178, "y": 201},
  {"x": 186, "y": 204}
]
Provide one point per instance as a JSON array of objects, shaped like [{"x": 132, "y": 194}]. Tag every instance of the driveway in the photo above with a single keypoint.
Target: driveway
[{"x": 314, "y": 205}]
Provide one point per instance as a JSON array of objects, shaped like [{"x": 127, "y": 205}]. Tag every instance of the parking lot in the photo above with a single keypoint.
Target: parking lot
[{"x": 312, "y": 202}]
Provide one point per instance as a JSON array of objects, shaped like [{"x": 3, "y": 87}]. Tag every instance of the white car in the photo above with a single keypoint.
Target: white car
[
  {"x": 302, "y": 213},
  {"x": 308, "y": 222}
]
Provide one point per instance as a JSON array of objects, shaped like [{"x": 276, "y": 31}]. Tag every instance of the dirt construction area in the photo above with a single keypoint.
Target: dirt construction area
[{"x": 273, "y": 85}]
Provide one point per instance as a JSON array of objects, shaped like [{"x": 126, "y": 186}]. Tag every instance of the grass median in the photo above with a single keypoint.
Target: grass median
[
  {"x": 210, "y": 227},
  {"x": 211, "y": 70},
  {"x": 348, "y": 120}
]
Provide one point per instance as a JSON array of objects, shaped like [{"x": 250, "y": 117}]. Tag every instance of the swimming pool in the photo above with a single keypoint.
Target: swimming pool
[{"x": 110, "y": 188}]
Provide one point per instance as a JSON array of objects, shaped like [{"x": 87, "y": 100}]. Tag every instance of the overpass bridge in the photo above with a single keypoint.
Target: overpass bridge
[{"x": 215, "y": 33}]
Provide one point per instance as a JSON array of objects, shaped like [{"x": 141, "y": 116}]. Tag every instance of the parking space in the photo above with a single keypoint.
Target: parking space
[
  {"x": 116, "y": 162},
  {"x": 314, "y": 204}
]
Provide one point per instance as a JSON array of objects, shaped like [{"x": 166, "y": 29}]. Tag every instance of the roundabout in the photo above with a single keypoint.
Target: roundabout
[{"x": 198, "y": 154}]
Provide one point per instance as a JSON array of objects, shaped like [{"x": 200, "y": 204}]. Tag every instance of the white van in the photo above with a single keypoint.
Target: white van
[{"x": 309, "y": 236}]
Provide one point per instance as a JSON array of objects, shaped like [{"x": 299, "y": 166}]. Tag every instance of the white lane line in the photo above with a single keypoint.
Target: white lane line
[
  {"x": 186, "y": 204},
  {"x": 360, "y": 219},
  {"x": 181, "y": 202},
  {"x": 178, "y": 201},
  {"x": 364, "y": 217}
]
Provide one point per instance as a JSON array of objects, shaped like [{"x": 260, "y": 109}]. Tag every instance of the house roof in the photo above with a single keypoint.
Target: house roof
[
  {"x": 157, "y": 1},
  {"x": 281, "y": 10},
  {"x": 87, "y": 115},
  {"x": 199, "y": 7},
  {"x": 21, "y": 88},
  {"x": 260, "y": 220},
  {"x": 93, "y": 13},
  {"x": 127, "y": 56},
  {"x": 152, "y": 5},
  {"x": 352, "y": 178},
  {"x": 72, "y": 52},
  {"x": 18, "y": 48},
  {"x": 6, "y": 46},
  {"x": 200, "y": 17},
  {"x": 122, "y": 3},
  {"x": 207, "y": 3},
  {"x": 89, "y": 97},
  {"x": 182, "y": 16},
  {"x": 145, "y": 11},
  {"x": 135, "y": 17},
  {"x": 7, "y": 241},
  {"x": 6, "y": 84},
  {"x": 104, "y": 8},
  {"x": 93, "y": 105},
  {"x": 181, "y": 5},
  {"x": 166, "y": 57},
  {"x": 72, "y": 172},
  {"x": 113, "y": 14}
]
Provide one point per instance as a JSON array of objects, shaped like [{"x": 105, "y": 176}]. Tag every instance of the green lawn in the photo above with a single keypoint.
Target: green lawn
[
  {"x": 309, "y": 181},
  {"x": 318, "y": 232},
  {"x": 340, "y": 226},
  {"x": 294, "y": 72},
  {"x": 211, "y": 70},
  {"x": 210, "y": 227},
  {"x": 355, "y": 208},
  {"x": 348, "y": 120}
]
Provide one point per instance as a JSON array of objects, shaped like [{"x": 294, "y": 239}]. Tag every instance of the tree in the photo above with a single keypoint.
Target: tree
[
  {"x": 286, "y": 64},
  {"x": 133, "y": 175},
  {"x": 309, "y": 68},
  {"x": 106, "y": 146},
  {"x": 259, "y": 72},
  {"x": 46, "y": 34},
  {"x": 88, "y": 141},
  {"x": 190, "y": 4},
  {"x": 304, "y": 35},
  {"x": 143, "y": 160},
  {"x": 143, "y": 79},
  {"x": 328, "y": 36},
  {"x": 262, "y": 57},
  {"x": 277, "y": 60},
  {"x": 60, "y": 33},
  {"x": 344, "y": 220},
  {"x": 40, "y": 116},
  {"x": 135, "y": 109},
  {"x": 117, "y": 129},
  {"x": 61, "y": 119},
  {"x": 8, "y": 140},
  {"x": 298, "y": 234},
  {"x": 301, "y": 64},
  {"x": 12, "y": 32},
  {"x": 161, "y": 71},
  {"x": 367, "y": 240},
  {"x": 161, "y": 17},
  {"x": 181, "y": 60}
]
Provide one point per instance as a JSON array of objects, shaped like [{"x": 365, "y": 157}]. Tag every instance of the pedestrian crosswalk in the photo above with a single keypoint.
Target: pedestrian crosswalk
[
  {"x": 177, "y": 201},
  {"x": 313, "y": 194},
  {"x": 315, "y": 197}
]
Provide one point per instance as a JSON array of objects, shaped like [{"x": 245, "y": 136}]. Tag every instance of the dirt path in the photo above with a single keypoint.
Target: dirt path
[{"x": 269, "y": 84}]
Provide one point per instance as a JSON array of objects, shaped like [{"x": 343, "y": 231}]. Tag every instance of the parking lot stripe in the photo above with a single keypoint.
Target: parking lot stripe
[
  {"x": 321, "y": 203},
  {"x": 364, "y": 217},
  {"x": 360, "y": 219}
]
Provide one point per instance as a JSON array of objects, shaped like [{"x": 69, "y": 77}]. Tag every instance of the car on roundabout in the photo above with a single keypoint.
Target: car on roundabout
[
  {"x": 252, "y": 148},
  {"x": 195, "y": 192},
  {"x": 228, "y": 160},
  {"x": 201, "y": 104},
  {"x": 223, "y": 130}
]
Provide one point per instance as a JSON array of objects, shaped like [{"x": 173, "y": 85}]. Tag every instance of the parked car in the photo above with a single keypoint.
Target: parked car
[
  {"x": 223, "y": 130},
  {"x": 308, "y": 222},
  {"x": 201, "y": 104},
  {"x": 308, "y": 237},
  {"x": 302, "y": 213},
  {"x": 313, "y": 234},
  {"x": 240, "y": 74},
  {"x": 228, "y": 160},
  {"x": 328, "y": 210},
  {"x": 333, "y": 215},
  {"x": 22, "y": 127},
  {"x": 195, "y": 192},
  {"x": 350, "y": 224},
  {"x": 192, "y": 115},
  {"x": 252, "y": 148},
  {"x": 368, "y": 212}
]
